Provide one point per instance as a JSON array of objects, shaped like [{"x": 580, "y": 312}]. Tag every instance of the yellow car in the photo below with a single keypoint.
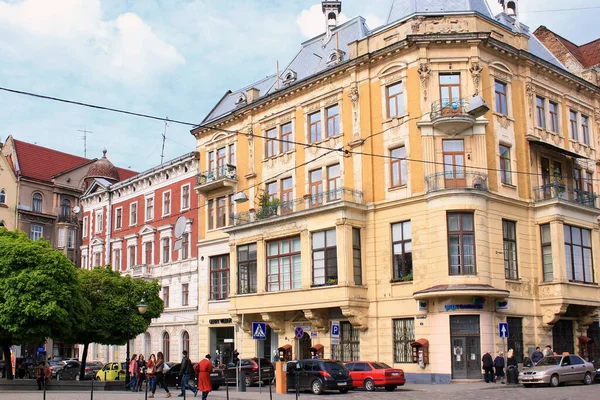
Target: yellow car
[{"x": 112, "y": 371}]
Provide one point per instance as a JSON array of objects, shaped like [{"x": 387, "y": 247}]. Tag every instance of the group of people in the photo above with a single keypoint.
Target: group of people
[
  {"x": 493, "y": 369},
  {"x": 153, "y": 371}
]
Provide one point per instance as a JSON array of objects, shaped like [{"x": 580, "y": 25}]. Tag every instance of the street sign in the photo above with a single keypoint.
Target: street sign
[
  {"x": 259, "y": 330},
  {"x": 299, "y": 332},
  {"x": 335, "y": 329},
  {"x": 503, "y": 329}
]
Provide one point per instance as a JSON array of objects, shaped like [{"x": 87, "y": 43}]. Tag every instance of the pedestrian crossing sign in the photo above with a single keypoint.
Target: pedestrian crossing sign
[{"x": 259, "y": 330}]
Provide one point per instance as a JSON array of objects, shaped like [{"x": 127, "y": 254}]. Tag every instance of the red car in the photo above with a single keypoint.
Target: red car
[{"x": 370, "y": 374}]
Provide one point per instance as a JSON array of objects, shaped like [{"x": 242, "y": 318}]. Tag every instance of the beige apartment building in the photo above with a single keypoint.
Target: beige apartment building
[{"x": 359, "y": 187}]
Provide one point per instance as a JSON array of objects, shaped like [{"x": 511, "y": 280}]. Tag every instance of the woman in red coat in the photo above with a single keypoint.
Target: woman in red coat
[{"x": 204, "y": 369}]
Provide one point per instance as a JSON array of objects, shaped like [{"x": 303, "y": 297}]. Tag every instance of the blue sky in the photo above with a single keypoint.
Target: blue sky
[{"x": 169, "y": 58}]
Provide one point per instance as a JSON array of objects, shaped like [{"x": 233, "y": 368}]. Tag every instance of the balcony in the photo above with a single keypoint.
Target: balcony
[
  {"x": 458, "y": 179},
  {"x": 68, "y": 219},
  {"x": 451, "y": 116},
  {"x": 559, "y": 191},
  {"x": 307, "y": 203},
  {"x": 220, "y": 177},
  {"x": 139, "y": 271}
]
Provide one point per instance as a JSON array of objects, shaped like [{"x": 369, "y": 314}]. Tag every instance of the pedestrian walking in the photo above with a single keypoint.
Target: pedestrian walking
[
  {"x": 151, "y": 373},
  {"x": 185, "y": 373},
  {"x": 160, "y": 375},
  {"x": 488, "y": 367},
  {"x": 204, "y": 368},
  {"x": 499, "y": 367},
  {"x": 537, "y": 355},
  {"x": 511, "y": 360},
  {"x": 141, "y": 371},
  {"x": 132, "y": 374},
  {"x": 44, "y": 374},
  {"x": 548, "y": 352}
]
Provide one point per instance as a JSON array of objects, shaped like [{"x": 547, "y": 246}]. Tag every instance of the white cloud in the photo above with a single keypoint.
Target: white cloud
[
  {"x": 312, "y": 21},
  {"x": 71, "y": 34}
]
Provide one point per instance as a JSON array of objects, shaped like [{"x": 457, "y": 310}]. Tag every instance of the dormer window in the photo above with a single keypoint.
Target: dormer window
[
  {"x": 289, "y": 78},
  {"x": 335, "y": 57},
  {"x": 241, "y": 101}
]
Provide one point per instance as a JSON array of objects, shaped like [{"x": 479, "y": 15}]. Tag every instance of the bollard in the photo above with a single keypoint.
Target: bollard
[
  {"x": 270, "y": 391},
  {"x": 512, "y": 375},
  {"x": 242, "y": 383},
  {"x": 297, "y": 384}
]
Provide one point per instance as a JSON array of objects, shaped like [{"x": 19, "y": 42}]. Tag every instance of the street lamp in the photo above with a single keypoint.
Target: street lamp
[{"x": 142, "y": 307}]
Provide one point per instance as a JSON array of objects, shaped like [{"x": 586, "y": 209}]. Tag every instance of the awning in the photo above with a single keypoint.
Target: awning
[
  {"x": 550, "y": 146},
  {"x": 584, "y": 339},
  {"x": 461, "y": 290},
  {"x": 421, "y": 342},
  {"x": 317, "y": 348},
  {"x": 285, "y": 347}
]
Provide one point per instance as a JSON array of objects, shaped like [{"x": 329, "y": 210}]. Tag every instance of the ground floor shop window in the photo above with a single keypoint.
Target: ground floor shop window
[
  {"x": 349, "y": 347},
  {"x": 404, "y": 335},
  {"x": 515, "y": 336}
]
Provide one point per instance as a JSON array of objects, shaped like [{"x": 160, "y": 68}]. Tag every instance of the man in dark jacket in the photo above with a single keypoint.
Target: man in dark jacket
[
  {"x": 488, "y": 367},
  {"x": 537, "y": 355},
  {"x": 186, "y": 371}
]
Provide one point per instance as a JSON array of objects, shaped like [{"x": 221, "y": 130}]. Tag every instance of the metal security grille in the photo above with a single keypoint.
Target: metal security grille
[
  {"x": 404, "y": 335},
  {"x": 562, "y": 336},
  {"x": 515, "y": 336},
  {"x": 349, "y": 347}
]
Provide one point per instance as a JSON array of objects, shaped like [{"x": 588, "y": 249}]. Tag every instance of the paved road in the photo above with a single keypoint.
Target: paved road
[{"x": 469, "y": 391}]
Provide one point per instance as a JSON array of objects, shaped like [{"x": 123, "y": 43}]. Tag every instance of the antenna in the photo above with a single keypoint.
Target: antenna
[
  {"x": 164, "y": 137},
  {"x": 85, "y": 132}
]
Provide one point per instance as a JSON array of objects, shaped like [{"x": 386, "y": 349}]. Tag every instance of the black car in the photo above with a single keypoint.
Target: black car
[
  {"x": 73, "y": 369},
  {"x": 596, "y": 363},
  {"x": 249, "y": 366},
  {"x": 217, "y": 378},
  {"x": 318, "y": 376}
]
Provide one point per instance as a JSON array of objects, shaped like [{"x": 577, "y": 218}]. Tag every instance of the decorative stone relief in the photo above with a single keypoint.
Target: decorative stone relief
[
  {"x": 430, "y": 26},
  {"x": 250, "y": 135},
  {"x": 553, "y": 313},
  {"x": 424, "y": 73},
  {"x": 503, "y": 121},
  {"x": 475, "y": 70},
  {"x": 530, "y": 92},
  {"x": 357, "y": 316},
  {"x": 276, "y": 321},
  {"x": 354, "y": 96},
  {"x": 597, "y": 118},
  {"x": 246, "y": 326},
  {"x": 319, "y": 319}
]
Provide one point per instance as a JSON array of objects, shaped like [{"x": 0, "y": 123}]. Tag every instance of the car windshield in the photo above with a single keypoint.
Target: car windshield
[
  {"x": 549, "y": 361},
  {"x": 334, "y": 366},
  {"x": 380, "y": 365}
]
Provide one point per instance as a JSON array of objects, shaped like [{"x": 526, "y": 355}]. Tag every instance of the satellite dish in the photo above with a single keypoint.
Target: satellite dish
[
  {"x": 76, "y": 209},
  {"x": 180, "y": 226}
]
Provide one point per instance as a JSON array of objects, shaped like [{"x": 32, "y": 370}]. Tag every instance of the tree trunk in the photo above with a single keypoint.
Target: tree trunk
[
  {"x": 83, "y": 361},
  {"x": 7, "y": 365}
]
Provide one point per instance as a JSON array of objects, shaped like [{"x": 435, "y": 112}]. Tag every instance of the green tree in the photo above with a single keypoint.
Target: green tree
[
  {"x": 40, "y": 294},
  {"x": 114, "y": 317}
]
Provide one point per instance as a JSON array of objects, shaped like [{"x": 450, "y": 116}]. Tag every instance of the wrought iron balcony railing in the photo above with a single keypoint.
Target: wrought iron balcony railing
[
  {"x": 557, "y": 190},
  {"x": 457, "y": 179},
  {"x": 70, "y": 219},
  {"x": 449, "y": 108},
  {"x": 308, "y": 202},
  {"x": 227, "y": 171}
]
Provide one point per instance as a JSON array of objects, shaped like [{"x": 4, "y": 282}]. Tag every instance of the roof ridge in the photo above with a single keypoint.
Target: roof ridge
[{"x": 16, "y": 141}]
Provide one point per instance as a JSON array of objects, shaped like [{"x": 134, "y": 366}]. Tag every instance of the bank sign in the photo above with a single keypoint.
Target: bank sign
[{"x": 453, "y": 307}]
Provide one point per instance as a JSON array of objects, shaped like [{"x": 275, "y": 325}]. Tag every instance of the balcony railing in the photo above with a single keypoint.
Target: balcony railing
[
  {"x": 69, "y": 219},
  {"x": 451, "y": 115},
  {"x": 557, "y": 190},
  {"x": 309, "y": 202},
  {"x": 141, "y": 271},
  {"x": 457, "y": 179},
  {"x": 215, "y": 178}
]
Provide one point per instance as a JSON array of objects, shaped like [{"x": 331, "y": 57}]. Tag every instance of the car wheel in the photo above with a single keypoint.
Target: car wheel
[
  {"x": 587, "y": 379},
  {"x": 344, "y": 391},
  {"x": 390, "y": 388},
  {"x": 248, "y": 380},
  {"x": 369, "y": 385},
  {"x": 527, "y": 385},
  {"x": 554, "y": 381},
  {"x": 316, "y": 386},
  {"x": 77, "y": 377}
]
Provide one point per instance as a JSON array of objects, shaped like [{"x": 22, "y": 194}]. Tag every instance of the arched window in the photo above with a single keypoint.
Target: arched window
[
  {"x": 147, "y": 345},
  {"x": 65, "y": 208},
  {"x": 2, "y": 196},
  {"x": 166, "y": 344},
  {"x": 185, "y": 341},
  {"x": 36, "y": 202}
]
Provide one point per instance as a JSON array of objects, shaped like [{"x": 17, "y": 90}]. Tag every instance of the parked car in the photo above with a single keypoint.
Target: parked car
[
  {"x": 112, "y": 371},
  {"x": 217, "y": 379},
  {"x": 25, "y": 367},
  {"x": 249, "y": 366},
  {"x": 72, "y": 370},
  {"x": 55, "y": 366},
  {"x": 596, "y": 364},
  {"x": 318, "y": 376},
  {"x": 556, "y": 370},
  {"x": 370, "y": 375}
]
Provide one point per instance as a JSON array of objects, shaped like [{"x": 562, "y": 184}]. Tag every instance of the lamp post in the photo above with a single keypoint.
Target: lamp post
[{"x": 142, "y": 307}]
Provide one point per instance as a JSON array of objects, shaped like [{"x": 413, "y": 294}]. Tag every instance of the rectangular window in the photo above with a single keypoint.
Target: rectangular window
[
  {"x": 210, "y": 212},
  {"x": 461, "y": 243},
  {"x": 286, "y": 138},
  {"x": 509, "y": 233},
  {"x": 231, "y": 210},
  {"x": 70, "y": 238},
  {"x": 356, "y": 256},
  {"x": 84, "y": 233},
  {"x": 589, "y": 186},
  {"x": 398, "y": 166},
  {"x": 221, "y": 160},
  {"x": 585, "y": 129},
  {"x": 578, "y": 254},
  {"x": 271, "y": 143},
  {"x": 247, "y": 268},
  {"x": 394, "y": 95},
  {"x": 334, "y": 183},
  {"x": 450, "y": 92},
  {"x": 546, "y": 243},
  {"x": 573, "y": 125},
  {"x": 501, "y": 104},
  {"x": 185, "y": 246},
  {"x": 577, "y": 179},
  {"x": 211, "y": 161},
  {"x": 166, "y": 203},
  {"x": 219, "y": 277},
  {"x": 271, "y": 188},
  {"x": 349, "y": 347},
  {"x": 185, "y": 294},
  {"x": 149, "y": 208},
  {"x": 505, "y": 170},
  {"x": 165, "y": 291},
  {"x": 166, "y": 250},
  {"x": 404, "y": 336},
  {"x": 287, "y": 193},
  {"x": 61, "y": 238},
  {"x": 402, "y": 251},
  {"x": 540, "y": 112},
  {"x": 283, "y": 264},
  {"x": 332, "y": 117},
  {"x": 116, "y": 260},
  {"x": 314, "y": 126},
  {"x": 221, "y": 212},
  {"x": 232, "y": 154},
  {"x": 324, "y": 254},
  {"x": 118, "y": 218},
  {"x": 99, "y": 221},
  {"x": 553, "y": 110},
  {"x": 148, "y": 253},
  {"x": 97, "y": 259},
  {"x": 316, "y": 187},
  {"x": 133, "y": 214}
]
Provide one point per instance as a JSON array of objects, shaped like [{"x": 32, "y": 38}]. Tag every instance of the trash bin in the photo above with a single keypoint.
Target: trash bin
[
  {"x": 512, "y": 375},
  {"x": 242, "y": 382}
]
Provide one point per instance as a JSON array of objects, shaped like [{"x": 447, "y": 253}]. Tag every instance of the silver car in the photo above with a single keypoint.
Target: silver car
[{"x": 556, "y": 370}]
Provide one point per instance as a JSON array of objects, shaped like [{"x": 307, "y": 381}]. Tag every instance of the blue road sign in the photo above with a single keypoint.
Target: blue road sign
[
  {"x": 503, "y": 329},
  {"x": 259, "y": 330},
  {"x": 299, "y": 332},
  {"x": 335, "y": 329}
]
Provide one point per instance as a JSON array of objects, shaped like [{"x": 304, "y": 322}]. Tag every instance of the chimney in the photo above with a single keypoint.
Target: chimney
[
  {"x": 331, "y": 10},
  {"x": 252, "y": 94}
]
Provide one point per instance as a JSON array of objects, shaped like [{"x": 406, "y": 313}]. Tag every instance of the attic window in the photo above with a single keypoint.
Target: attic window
[
  {"x": 289, "y": 78},
  {"x": 241, "y": 101},
  {"x": 335, "y": 57}
]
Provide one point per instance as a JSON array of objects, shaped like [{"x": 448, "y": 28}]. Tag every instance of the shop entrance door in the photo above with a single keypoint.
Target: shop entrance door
[
  {"x": 304, "y": 346},
  {"x": 466, "y": 347}
]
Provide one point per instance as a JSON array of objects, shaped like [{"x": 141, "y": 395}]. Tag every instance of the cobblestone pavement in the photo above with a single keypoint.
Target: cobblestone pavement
[{"x": 470, "y": 391}]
